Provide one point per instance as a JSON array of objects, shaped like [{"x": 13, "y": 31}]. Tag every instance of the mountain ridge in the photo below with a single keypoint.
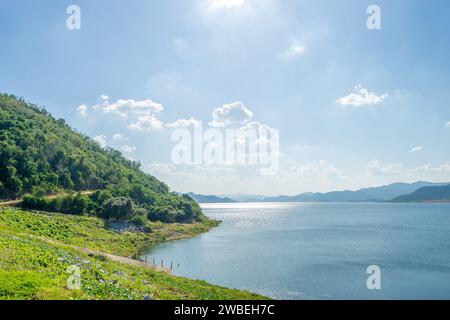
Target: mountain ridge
[
  {"x": 370, "y": 194},
  {"x": 426, "y": 194},
  {"x": 210, "y": 198}
]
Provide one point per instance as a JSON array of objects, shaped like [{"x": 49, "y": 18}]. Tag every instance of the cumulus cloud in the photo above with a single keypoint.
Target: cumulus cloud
[
  {"x": 83, "y": 110},
  {"x": 142, "y": 112},
  {"x": 424, "y": 172},
  {"x": 101, "y": 140},
  {"x": 376, "y": 168},
  {"x": 233, "y": 113},
  {"x": 127, "y": 149},
  {"x": 123, "y": 107},
  {"x": 255, "y": 125},
  {"x": 183, "y": 123},
  {"x": 322, "y": 169},
  {"x": 361, "y": 97},
  {"x": 118, "y": 136},
  {"x": 416, "y": 149},
  {"x": 146, "y": 123}
]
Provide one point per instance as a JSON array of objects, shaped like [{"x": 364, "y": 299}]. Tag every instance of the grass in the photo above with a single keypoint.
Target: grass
[
  {"x": 37, "y": 248},
  {"x": 92, "y": 233}
]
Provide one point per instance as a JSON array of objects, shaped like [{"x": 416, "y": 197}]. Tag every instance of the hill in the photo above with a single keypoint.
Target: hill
[
  {"x": 396, "y": 189},
  {"x": 209, "y": 199},
  {"x": 427, "y": 194},
  {"x": 40, "y": 155},
  {"x": 377, "y": 194}
]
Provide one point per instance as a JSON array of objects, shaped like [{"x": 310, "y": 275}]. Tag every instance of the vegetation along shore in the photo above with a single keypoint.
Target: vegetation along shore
[{"x": 66, "y": 201}]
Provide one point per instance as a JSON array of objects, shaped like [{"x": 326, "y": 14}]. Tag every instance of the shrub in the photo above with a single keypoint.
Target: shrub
[{"x": 120, "y": 208}]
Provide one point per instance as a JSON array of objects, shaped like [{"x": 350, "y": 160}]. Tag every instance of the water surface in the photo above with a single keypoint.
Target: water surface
[{"x": 320, "y": 251}]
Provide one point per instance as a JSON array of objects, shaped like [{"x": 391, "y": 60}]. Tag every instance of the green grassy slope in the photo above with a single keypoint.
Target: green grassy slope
[
  {"x": 35, "y": 254},
  {"x": 93, "y": 233}
]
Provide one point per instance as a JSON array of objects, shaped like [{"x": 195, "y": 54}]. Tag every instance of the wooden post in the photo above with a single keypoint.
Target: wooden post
[
  {"x": 171, "y": 265},
  {"x": 153, "y": 261},
  {"x": 162, "y": 263}
]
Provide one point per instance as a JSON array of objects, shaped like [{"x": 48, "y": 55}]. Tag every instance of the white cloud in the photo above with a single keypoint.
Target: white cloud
[
  {"x": 416, "y": 149},
  {"x": 122, "y": 107},
  {"x": 146, "y": 123},
  {"x": 295, "y": 48},
  {"x": 83, "y": 110},
  {"x": 400, "y": 171},
  {"x": 127, "y": 149},
  {"x": 214, "y": 5},
  {"x": 183, "y": 123},
  {"x": 447, "y": 124},
  {"x": 118, "y": 136},
  {"x": 376, "y": 168},
  {"x": 101, "y": 140},
  {"x": 255, "y": 125},
  {"x": 361, "y": 97},
  {"x": 323, "y": 169},
  {"x": 142, "y": 112},
  {"x": 233, "y": 113}
]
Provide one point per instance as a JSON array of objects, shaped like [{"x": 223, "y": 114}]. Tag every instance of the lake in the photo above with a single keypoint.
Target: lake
[{"x": 320, "y": 250}]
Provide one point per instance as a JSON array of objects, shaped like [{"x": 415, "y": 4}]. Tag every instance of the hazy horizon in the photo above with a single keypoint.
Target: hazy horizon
[{"x": 230, "y": 195}]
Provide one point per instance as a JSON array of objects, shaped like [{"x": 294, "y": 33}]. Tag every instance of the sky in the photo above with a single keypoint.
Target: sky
[{"x": 353, "y": 107}]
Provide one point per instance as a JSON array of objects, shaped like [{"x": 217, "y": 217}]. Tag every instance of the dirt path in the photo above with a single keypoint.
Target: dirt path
[
  {"x": 10, "y": 203},
  {"x": 111, "y": 257}
]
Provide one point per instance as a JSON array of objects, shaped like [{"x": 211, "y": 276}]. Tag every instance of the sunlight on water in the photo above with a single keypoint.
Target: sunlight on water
[
  {"x": 320, "y": 250},
  {"x": 250, "y": 205}
]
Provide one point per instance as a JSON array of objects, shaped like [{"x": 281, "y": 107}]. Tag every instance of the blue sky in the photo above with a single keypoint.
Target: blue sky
[{"x": 293, "y": 64}]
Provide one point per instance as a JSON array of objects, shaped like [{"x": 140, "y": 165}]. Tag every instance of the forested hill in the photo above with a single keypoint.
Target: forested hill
[
  {"x": 427, "y": 194},
  {"x": 41, "y": 155}
]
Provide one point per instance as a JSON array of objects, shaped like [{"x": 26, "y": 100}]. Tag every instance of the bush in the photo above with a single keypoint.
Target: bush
[
  {"x": 78, "y": 204},
  {"x": 120, "y": 208},
  {"x": 164, "y": 214},
  {"x": 140, "y": 217}
]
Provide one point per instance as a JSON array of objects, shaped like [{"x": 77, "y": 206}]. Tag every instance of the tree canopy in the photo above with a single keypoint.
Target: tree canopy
[{"x": 41, "y": 155}]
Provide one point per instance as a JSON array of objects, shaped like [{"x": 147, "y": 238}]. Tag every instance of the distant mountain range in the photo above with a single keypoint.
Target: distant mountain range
[
  {"x": 210, "y": 199},
  {"x": 393, "y": 192},
  {"x": 427, "y": 194}
]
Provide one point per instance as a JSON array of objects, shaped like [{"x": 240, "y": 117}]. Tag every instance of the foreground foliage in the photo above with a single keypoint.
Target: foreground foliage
[
  {"x": 96, "y": 233},
  {"x": 34, "y": 269},
  {"x": 37, "y": 248}
]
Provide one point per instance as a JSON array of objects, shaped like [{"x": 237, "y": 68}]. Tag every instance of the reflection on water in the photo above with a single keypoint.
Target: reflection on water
[{"x": 319, "y": 251}]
